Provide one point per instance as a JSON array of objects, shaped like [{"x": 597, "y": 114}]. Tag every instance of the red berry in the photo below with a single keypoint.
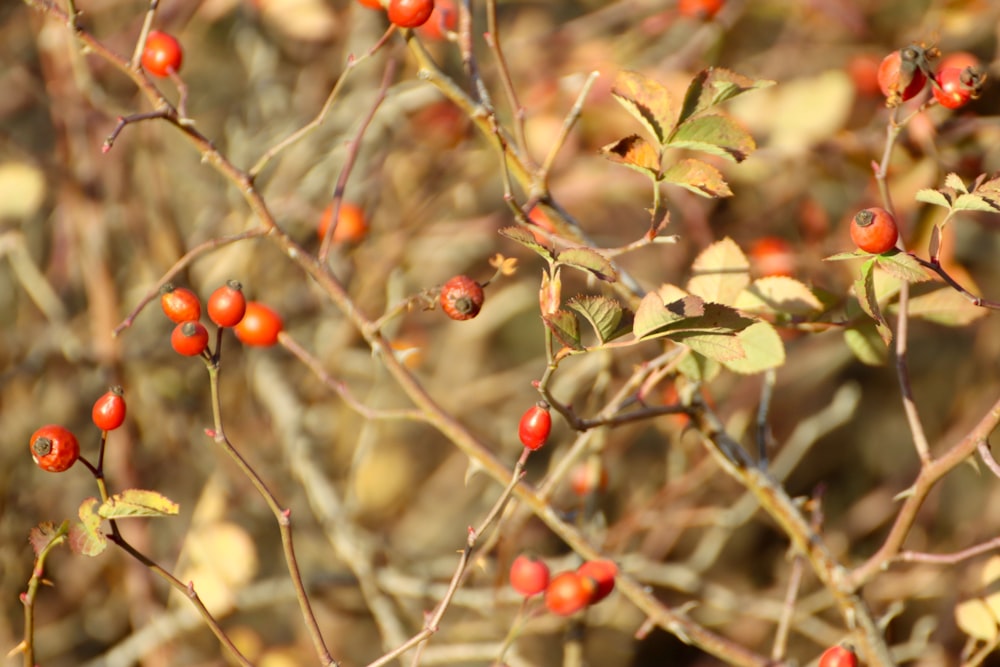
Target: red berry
[
  {"x": 588, "y": 477},
  {"x": 351, "y": 224},
  {"x": 959, "y": 59},
  {"x": 874, "y": 230},
  {"x": 109, "y": 410},
  {"x": 371, "y": 4},
  {"x": 54, "y": 448},
  {"x": 179, "y": 303},
  {"x": 535, "y": 426},
  {"x": 900, "y": 76},
  {"x": 955, "y": 87},
  {"x": 227, "y": 304},
  {"x": 602, "y": 572},
  {"x": 772, "y": 256},
  {"x": 260, "y": 326},
  {"x": 444, "y": 19},
  {"x": 189, "y": 338},
  {"x": 699, "y": 9},
  {"x": 568, "y": 593},
  {"x": 461, "y": 298},
  {"x": 410, "y": 13},
  {"x": 162, "y": 54},
  {"x": 528, "y": 575},
  {"x": 838, "y": 656}
]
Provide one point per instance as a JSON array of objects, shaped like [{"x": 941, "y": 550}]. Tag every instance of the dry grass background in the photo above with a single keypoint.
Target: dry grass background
[{"x": 85, "y": 235}]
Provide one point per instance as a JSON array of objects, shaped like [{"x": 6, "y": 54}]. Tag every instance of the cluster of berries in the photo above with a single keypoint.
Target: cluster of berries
[
  {"x": 903, "y": 74},
  {"x": 567, "y": 592},
  {"x": 253, "y": 322}
]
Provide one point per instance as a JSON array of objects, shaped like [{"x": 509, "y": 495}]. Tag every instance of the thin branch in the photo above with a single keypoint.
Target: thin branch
[
  {"x": 492, "y": 38},
  {"x": 353, "y": 149},
  {"x": 917, "y": 431},
  {"x": 928, "y": 477},
  {"x": 936, "y": 267},
  {"x": 987, "y": 456},
  {"x": 179, "y": 266},
  {"x": 567, "y": 126},
  {"x": 948, "y": 559}
]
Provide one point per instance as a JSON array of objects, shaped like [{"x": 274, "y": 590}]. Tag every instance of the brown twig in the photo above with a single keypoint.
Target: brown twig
[
  {"x": 936, "y": 267},
  {"x": 353, "y": 149}
]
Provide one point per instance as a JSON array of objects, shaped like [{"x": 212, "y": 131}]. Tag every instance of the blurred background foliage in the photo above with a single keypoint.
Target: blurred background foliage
[{"x": 84, "y": 235}]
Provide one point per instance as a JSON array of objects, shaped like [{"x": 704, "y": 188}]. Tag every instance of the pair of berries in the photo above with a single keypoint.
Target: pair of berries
[
  {"x": 567, "y": 592},
  {"x": 253, "y": 323},
  {"x": 903, "y": 74},
  {"x": 54, "y": 448}
]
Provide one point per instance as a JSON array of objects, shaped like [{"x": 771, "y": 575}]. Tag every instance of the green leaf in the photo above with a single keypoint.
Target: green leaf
[
  {"x": 866, "y": 344},
  {"x": 635, "y": 153},
  {"x": 605, "y": 316},
  {"x": 724, "y": 348},
  {"x": 864, "y": 288},
  {"x": 699, "y": 177},
  {"x": 713, "y": 86},
  {"x": 955, "y": 182},
  {"x": 975, "y": 203},
  {"x": 902, "y": 266},
  {"x": 86, "y": 537},
  {"x": 589, "y": 260},
  {"x": 778, "y": 295},
  {"x": 945, "y": 306},
  {"x": 565, "y": 327},
  {"x": 762, "y": 350},
  {"x": 647, "y": 100},
  {"x": 137, "y": 503},
  {"x": 653, "y": 314},
  {"x": 716, "y": 135},
  {"x": 527, "y": 239},
  {"x": 935, "y": 197},
  {"x": 720, "y": 272},
  {"x": 687, "y": 316}
]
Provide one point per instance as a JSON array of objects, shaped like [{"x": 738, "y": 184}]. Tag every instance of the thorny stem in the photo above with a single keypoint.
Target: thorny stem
[
  {"x": 187, "y": 591},
  {"x": 27, "y": 645},
  {"x": 929, "y": 475},
  {"x": 936, "y": 267},
  {"x": 433, "y": 621},
  {"x": 774, "y": 499},
  {"x": 283, "y": 517}
]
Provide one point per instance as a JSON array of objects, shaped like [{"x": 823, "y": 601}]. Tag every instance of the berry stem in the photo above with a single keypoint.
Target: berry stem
[{"x": 281, "y": 515}]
